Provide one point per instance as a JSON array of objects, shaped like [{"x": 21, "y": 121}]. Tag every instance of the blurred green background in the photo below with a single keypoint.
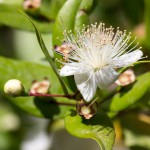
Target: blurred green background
[{"x": 21, "y": 131}]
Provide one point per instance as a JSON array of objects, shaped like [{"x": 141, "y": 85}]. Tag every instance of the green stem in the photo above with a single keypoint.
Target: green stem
[
  {"x": 50, "y": 95},
  {"x": 136, "y": 63},
  {"x": 141, "y": 62},
  {"x": 69, "y": 96},
  {"x": 47, "y": 55}
]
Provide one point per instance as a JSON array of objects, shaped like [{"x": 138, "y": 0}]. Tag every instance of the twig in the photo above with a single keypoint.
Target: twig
[{"x": 69, "y": 96}]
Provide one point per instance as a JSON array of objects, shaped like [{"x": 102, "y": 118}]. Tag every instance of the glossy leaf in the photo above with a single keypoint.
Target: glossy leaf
[
  {"x": 147, "y": 23},
  {"x": 98, "y": 128},
  {"x": 65, "y": 19},
  {"x": 51, "y": 7},
  {"x": 127, "y": 98},
  {"x": 26, "y": 73},
  {"x": 10, "y": 16},
  {"x": 49, "y": 58},
  {"x": 76, "y": 17},
  {"x": 81, "y": 18},
  {"x": 87, "y": 5},
  {"x": 18, "y": 2}
]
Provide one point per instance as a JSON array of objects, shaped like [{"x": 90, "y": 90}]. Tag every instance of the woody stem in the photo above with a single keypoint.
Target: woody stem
[{"x": 69, "y": 96}]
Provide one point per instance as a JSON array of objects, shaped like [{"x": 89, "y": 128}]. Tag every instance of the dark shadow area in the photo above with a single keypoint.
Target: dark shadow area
[
  {"x": 106, "y": 104},
  {"x": 40, "y": 17},
  {"x": 6, "y": 42},
  {"x": 100, "y": 120},
  {"x": 49, "y": 108},
  {"x": 73, "y": 113},
  {"x": 132, "y": 122},
  {"x": 138, "y": 148}
]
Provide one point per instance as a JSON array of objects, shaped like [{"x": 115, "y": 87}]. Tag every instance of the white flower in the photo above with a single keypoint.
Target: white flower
[{"x": 96, "y": 54}]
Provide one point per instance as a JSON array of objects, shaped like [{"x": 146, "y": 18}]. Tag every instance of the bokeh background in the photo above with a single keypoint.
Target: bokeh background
[{"x": 22, "y": 131}]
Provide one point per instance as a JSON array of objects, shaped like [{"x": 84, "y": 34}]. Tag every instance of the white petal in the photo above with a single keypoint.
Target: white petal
[
  {"x": 127, "y": 59},
  {"x": 72, "y": 69},
  {"x": 86, "y": 83},
  {"x": 105, "y": 77}
]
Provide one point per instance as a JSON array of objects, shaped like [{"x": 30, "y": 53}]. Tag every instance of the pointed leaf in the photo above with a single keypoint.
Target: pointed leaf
[
  {"x": 98, "y": 128},
  {"x": 10, "y": 16},
  {"x": 47, "y": 55},
  {"x": 76, "y": 17},
  {"x": 26, "y": 73},
  {"x": 65, "y": 19},
  {"x": 129, "y": 97}
]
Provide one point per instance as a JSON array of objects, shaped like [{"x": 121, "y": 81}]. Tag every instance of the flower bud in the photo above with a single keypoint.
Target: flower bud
[
  {"x": 86, "y": 110},
  {"x": 31, "y": 4},
  {"x": 64, "y": 49},
  {"x": 13, "y": 87},
  {"x": 126, "y": 78},
  {"x": 41, "y": 87},
  {"x": 139, "y": 31}
]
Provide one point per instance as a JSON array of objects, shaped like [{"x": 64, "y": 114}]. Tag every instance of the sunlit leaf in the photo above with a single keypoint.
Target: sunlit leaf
[
  {"x": 98, "y": 128},
  {"x": 64, "y": 20},
  {"x": 49, "y": 58},
  {"x": 10, "y": 16},
  {"x": 26, "y": 73},
  {"x": 77, "y": 16},
  {"x": 129, "y": 97},
  {"x": 51, "y": 7}
]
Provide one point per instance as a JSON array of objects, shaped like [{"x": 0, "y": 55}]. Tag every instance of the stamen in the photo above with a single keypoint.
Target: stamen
[{"x": 89, "y": 43}]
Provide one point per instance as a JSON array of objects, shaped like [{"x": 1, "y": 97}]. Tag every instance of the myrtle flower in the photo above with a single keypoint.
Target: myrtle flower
[{"x": 96, "y": 54}]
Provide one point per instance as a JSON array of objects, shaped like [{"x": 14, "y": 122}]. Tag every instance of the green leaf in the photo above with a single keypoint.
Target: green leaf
[
  {"x": 19, "y": 2},
  {"x": 51, "y": 7},
  {"x": 47, "y": 55},
  {"x": 65, "y": 19},
  {"x": 144, "y": 102},
  {"x": 147, "y": 23},
  {"x": 10, "y": 16},
  {"x": 76, "y": 17},
  {"x": 98, "y": 128},
  {"x": 128, "y": 98},
  {"x": 81, "y": 18},
  {"x": 26, "y": 73},
  {"x": 87, "y": 5}
]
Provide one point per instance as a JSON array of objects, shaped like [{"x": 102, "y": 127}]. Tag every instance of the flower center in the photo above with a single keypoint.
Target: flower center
[{"x": 98, "y": 65}]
